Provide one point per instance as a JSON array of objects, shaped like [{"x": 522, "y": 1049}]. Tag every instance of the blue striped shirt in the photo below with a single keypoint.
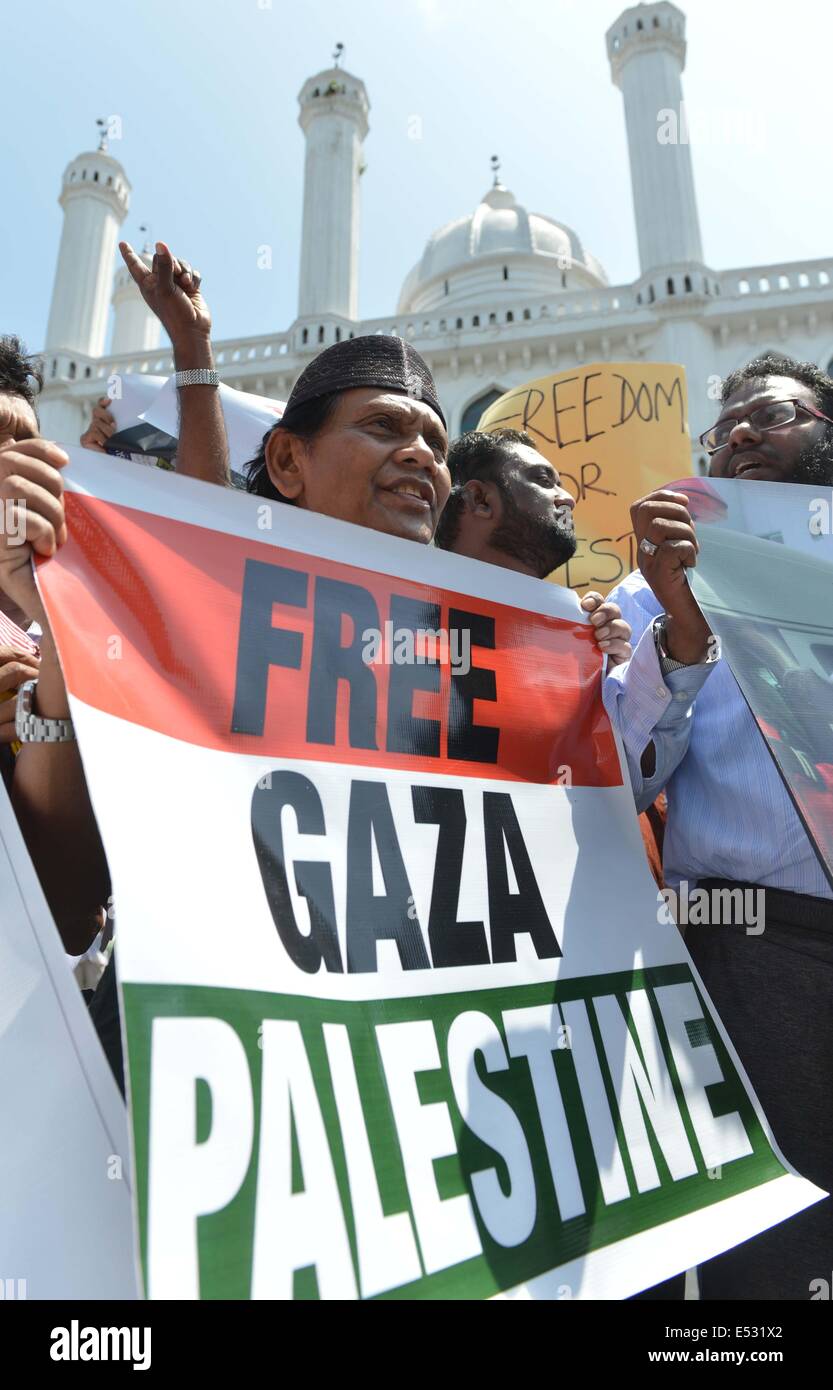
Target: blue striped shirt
[{"x": 729, "y": 814}]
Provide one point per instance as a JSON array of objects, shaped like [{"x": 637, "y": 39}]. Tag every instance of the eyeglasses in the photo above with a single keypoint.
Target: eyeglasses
[{"x": 767, "y": 417}]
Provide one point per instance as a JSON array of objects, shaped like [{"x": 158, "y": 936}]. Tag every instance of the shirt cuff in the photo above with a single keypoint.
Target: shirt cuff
[{"x": 638, "y": 693}]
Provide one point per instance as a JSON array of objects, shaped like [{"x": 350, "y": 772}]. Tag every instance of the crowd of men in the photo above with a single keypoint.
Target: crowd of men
[{"x": 364, "y": 439}]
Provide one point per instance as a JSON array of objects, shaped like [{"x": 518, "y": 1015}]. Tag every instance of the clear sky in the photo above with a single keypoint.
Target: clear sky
[{"x": 207, "y": 94}]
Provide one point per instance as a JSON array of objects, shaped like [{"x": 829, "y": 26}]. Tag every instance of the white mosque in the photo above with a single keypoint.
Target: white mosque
[{"x": 498, "y": 297}]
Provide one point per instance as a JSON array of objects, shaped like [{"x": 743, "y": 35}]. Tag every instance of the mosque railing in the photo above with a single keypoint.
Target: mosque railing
[{"x": 786, "y": 277}]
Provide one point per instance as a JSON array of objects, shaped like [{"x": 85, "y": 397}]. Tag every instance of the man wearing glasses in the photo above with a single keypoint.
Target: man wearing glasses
[{"x": 687, "y": 730}]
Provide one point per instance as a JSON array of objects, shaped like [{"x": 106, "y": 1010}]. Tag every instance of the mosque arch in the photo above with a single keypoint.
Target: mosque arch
[{"x": 472, "y": 412}]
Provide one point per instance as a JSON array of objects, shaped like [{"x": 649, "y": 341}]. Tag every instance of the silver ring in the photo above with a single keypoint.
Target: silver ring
[{"x": 648, "y": 546}]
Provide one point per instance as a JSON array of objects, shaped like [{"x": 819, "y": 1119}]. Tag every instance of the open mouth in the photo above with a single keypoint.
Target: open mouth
[
  {"x": 748, "y": 464},
  {"x": 413, "y": 492}
]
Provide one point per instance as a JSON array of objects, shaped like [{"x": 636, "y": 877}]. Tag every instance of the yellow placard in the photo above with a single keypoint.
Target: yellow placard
[{"x": 614, "y": 431}]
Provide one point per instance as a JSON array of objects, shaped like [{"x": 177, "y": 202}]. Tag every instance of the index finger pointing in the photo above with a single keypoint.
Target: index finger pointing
[{"x": 134, "y": 263}]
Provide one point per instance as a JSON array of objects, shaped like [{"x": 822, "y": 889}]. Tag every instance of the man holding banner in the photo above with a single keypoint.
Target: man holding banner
[
  {"x": 731, "y": 822},
  {"x": 508, "y": 507},
  {"x": 408, "y": 852}
]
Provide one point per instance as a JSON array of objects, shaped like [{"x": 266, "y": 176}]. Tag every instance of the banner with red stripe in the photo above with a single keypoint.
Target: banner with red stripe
[{"x": 403, "y": 1014}]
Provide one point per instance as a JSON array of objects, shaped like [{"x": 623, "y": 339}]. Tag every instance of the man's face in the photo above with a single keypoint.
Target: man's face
[
  {"x": 535, "y": 522},
  {"x": 17, "y": 419},
  {"x": 800, "y": 452},
  {"x": 379, "y": 461}
]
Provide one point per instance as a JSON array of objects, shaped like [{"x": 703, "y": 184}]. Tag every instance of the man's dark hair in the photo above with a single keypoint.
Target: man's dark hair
[
  {"x": 305, "y": 420},
  {"x": 21, "y": 374},
  {"x": 479, "y": 455},
  {"x": 775, "y": 364}
]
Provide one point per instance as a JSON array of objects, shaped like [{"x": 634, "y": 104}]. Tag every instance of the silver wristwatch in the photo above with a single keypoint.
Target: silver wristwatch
[
  {"x": 32, "y": 728},
  {"x": 196, "y": 376},
  {"x": 667, "y": 663}
]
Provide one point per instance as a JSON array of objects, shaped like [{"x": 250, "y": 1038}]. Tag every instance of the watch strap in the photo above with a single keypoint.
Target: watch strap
[
  {"x": 196, "y": 376},
  {"x": 34, "y": 728}
]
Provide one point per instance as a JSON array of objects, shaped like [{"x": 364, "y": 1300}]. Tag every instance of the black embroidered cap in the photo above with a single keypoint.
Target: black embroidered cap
[{"x": 376, "y": 359}]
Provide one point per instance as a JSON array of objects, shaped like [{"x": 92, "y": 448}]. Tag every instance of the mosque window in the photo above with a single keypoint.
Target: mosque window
[
  {"x": 443, "y": 325},
  {"x": 669, "y": 285},
  {"x": 320, "y": 332},
  {"x": 95, "y": 176},
  {"x": 506, "y": 272},
  {"x": 475, "y": 323},
  {"x": 493, "y": 318},
  {"x": 639, "y": 24},
  {"x": 349, "y": 335},
  {"x": 305, "y": 336},
  {"x": 527, "y": 314},
  {"x": 83, "y": 173},
  {"x": 656, "y": 22},
  {"x": 563, "y": 279},
  {"x": 687, "y": 284},
  {"x": 830, "y": 367},
  {"x": 510, "y": 317},
  {"x": 88, "y": 371},
  {"x": 473, "y": 412},
  {"x": 639, "y": 298},
  {"x": 338, "y": 334},
  {"x": 71, "y": 372},
  {"x": 651, "y": 295},
  {"x": 54, "y": 368},
  {"x": 459, "y": 323},
  {"x": 73, "y": 176},
  {"x": 445, "y": 287},
  {"x": 824, "y": 278},
  {"x": 109, "y": 180}
]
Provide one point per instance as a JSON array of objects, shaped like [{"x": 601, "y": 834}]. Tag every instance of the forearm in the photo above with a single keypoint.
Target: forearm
[
  {"x": 50, "y": 798},
  {"x": 202, "y": 451},
  {"x": 652, "y": 714}
]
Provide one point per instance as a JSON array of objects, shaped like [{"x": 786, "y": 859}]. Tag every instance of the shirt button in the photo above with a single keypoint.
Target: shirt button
[
  {"x": 663, "y": 692},
  {"x": 682, "y": 695}
]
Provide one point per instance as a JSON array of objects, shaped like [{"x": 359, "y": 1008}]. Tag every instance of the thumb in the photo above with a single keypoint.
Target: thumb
[{"x": 163, "y": 267}]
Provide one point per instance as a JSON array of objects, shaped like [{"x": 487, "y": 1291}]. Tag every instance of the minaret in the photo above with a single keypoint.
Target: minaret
[
  {"x": 646, "y": 48},
  {"x": 95, "y": 196},
  {"x": 135, "y": 327},
  {"x": 333, "y": 117}
]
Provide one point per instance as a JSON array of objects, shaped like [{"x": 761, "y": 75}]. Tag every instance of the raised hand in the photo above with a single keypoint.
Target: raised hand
[
  {"x": 667, "y": 547},
  {"x": 171, "y": 289},
  {"x": 101, "y": 426}
]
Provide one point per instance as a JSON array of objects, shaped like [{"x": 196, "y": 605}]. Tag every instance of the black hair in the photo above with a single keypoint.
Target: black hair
[
  {"x": 477, "y": 454},
  {"x": 21, "y": 374},
  {"x": 774, "y": 364},
  {"x": 304, "y": 420}
]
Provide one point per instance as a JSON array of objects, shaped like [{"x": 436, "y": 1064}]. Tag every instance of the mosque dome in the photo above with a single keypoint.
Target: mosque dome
[{"x": 498, "y": 252}]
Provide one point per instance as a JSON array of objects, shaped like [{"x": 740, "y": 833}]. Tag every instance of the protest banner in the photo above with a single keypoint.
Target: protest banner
[
  {"x": 764, "y": 578},
  {"x": 66, "y": 1219},
  {"x": 403, "y": 1018},
  {"x": 614, "y": 431}
]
